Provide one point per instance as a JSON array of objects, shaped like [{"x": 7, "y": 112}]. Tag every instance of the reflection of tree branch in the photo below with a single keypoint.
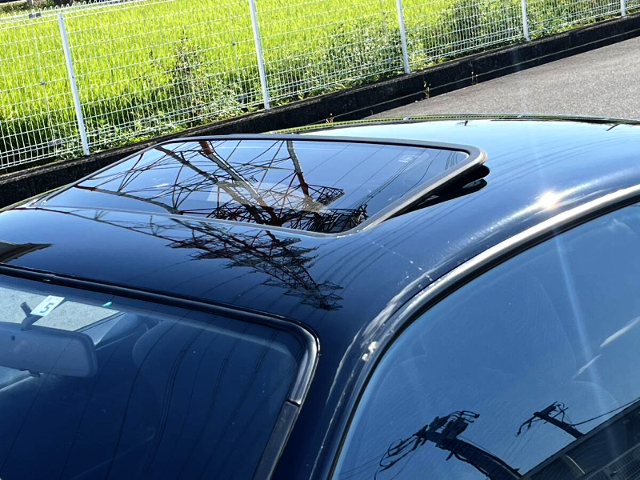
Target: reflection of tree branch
[
  {"x": 291, "y": 201},
  {"x": 225, "y": 166},
  {"x": 304, "y": 186},
  {"x": 238, "y": 197}
]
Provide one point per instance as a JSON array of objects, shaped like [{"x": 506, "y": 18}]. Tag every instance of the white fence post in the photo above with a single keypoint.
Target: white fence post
[
  {"x": 623, "y": 8},
  {"x": 403, "y": 37},
  {"x": 525, "y": 20},
  {"x": 74, "y": 86},
  {"x": 258, "y": 42}
]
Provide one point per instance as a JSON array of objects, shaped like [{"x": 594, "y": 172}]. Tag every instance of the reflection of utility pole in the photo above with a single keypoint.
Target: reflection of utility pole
[
  {"x": 444, "y": 432},
  {"x": 546, "y": 416}
]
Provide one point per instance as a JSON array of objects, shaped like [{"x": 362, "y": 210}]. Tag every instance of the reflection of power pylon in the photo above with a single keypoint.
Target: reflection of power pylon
[
  {"x": 286, "y": 263},
  {"x": 281, "y": 259},
  {"x": 269, "y": 188}
]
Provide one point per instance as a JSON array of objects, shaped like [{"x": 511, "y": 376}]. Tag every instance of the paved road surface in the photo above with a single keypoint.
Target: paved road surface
[{"x": 603, "y": 82}]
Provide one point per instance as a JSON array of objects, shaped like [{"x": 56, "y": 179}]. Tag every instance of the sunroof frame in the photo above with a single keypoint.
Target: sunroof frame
[{"x": 476, "y": 158}]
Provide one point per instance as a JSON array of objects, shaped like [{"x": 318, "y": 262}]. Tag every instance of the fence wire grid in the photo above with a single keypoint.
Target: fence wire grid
[{"x": 97, "y": 75}]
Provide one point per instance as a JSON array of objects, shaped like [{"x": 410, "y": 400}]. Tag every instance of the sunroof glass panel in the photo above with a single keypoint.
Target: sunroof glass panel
[{"x": 313, "y": 185}]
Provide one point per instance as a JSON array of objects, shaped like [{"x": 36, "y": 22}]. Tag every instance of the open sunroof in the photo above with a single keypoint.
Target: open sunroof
[{"x": 309, "y": 183}]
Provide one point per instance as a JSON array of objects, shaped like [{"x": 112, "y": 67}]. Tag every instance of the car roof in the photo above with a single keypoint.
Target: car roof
[{"x": 336, "y": 285}]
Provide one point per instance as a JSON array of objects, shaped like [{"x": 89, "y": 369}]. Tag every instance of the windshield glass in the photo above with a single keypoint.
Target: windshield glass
[{"x": 94, "y": 386}]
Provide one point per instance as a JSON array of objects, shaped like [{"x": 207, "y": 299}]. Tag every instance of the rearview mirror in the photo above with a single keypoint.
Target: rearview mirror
[{"x": 47, "y": 350}]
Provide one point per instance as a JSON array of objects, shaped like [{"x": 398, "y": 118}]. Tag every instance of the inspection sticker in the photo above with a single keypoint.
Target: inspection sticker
[{"x": 45, "y": 307}]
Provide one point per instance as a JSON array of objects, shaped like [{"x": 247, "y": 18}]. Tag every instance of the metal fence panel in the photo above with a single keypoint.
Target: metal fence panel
[
  {"x": 37, "y": 119},
  {"x": 316, "y": 46},
  {"x": 549, "y": 16},
  {"x": 439, "y": 29},
  {"x": 147, "y": 68}
]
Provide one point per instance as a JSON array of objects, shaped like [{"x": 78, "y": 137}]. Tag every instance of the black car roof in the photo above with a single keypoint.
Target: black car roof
[{"x": 336, "y": 285}]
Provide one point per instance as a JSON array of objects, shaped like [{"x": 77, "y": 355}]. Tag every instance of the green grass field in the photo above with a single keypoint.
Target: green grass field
[{"x": 156, "y": 66}]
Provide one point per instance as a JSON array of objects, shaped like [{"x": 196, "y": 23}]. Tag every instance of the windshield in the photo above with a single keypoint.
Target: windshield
[{"x": 94, "y": 386}]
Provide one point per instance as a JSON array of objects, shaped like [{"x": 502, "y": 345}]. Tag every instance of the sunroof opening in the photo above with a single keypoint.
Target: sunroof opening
[{"x": 313, "y": 184}]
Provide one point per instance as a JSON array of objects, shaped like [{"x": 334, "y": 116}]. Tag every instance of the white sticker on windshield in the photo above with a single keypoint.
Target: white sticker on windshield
[{"x": 47, "y": 305}]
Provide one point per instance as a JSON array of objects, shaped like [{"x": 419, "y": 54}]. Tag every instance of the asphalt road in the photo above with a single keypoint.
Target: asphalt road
[{"x": 603, "y": 82}]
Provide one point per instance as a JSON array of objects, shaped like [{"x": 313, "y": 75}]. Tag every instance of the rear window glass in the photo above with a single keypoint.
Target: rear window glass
[
  {"x": 529, "y": 371},
  {"x": 94, "y": 386},
  {"x": 321, "y": 186}
]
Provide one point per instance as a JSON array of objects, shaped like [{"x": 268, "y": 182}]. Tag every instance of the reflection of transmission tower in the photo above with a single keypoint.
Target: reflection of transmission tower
[
  {"x": 237, "y": 189},
  {"x": 269, "y": 188},
  {"x": 281, "y": 259}
]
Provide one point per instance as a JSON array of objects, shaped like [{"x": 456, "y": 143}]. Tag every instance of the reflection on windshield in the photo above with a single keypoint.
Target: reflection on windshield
[{"x": 529, "y": 371}]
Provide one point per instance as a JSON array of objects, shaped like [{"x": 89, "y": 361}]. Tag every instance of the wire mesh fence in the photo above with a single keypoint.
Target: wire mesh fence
[
  {"x": 124, "y": 70},
  {"x": 550, "y": 16},
  {"x": 143, "y": 69},
  {"x": 439, "y": 29},
  {"x": 313, "y": 46},
  {"x": 36, "y": 109}
]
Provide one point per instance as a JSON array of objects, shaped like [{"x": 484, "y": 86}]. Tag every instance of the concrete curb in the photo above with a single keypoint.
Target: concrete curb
[{"x": 351, "y": 104}]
